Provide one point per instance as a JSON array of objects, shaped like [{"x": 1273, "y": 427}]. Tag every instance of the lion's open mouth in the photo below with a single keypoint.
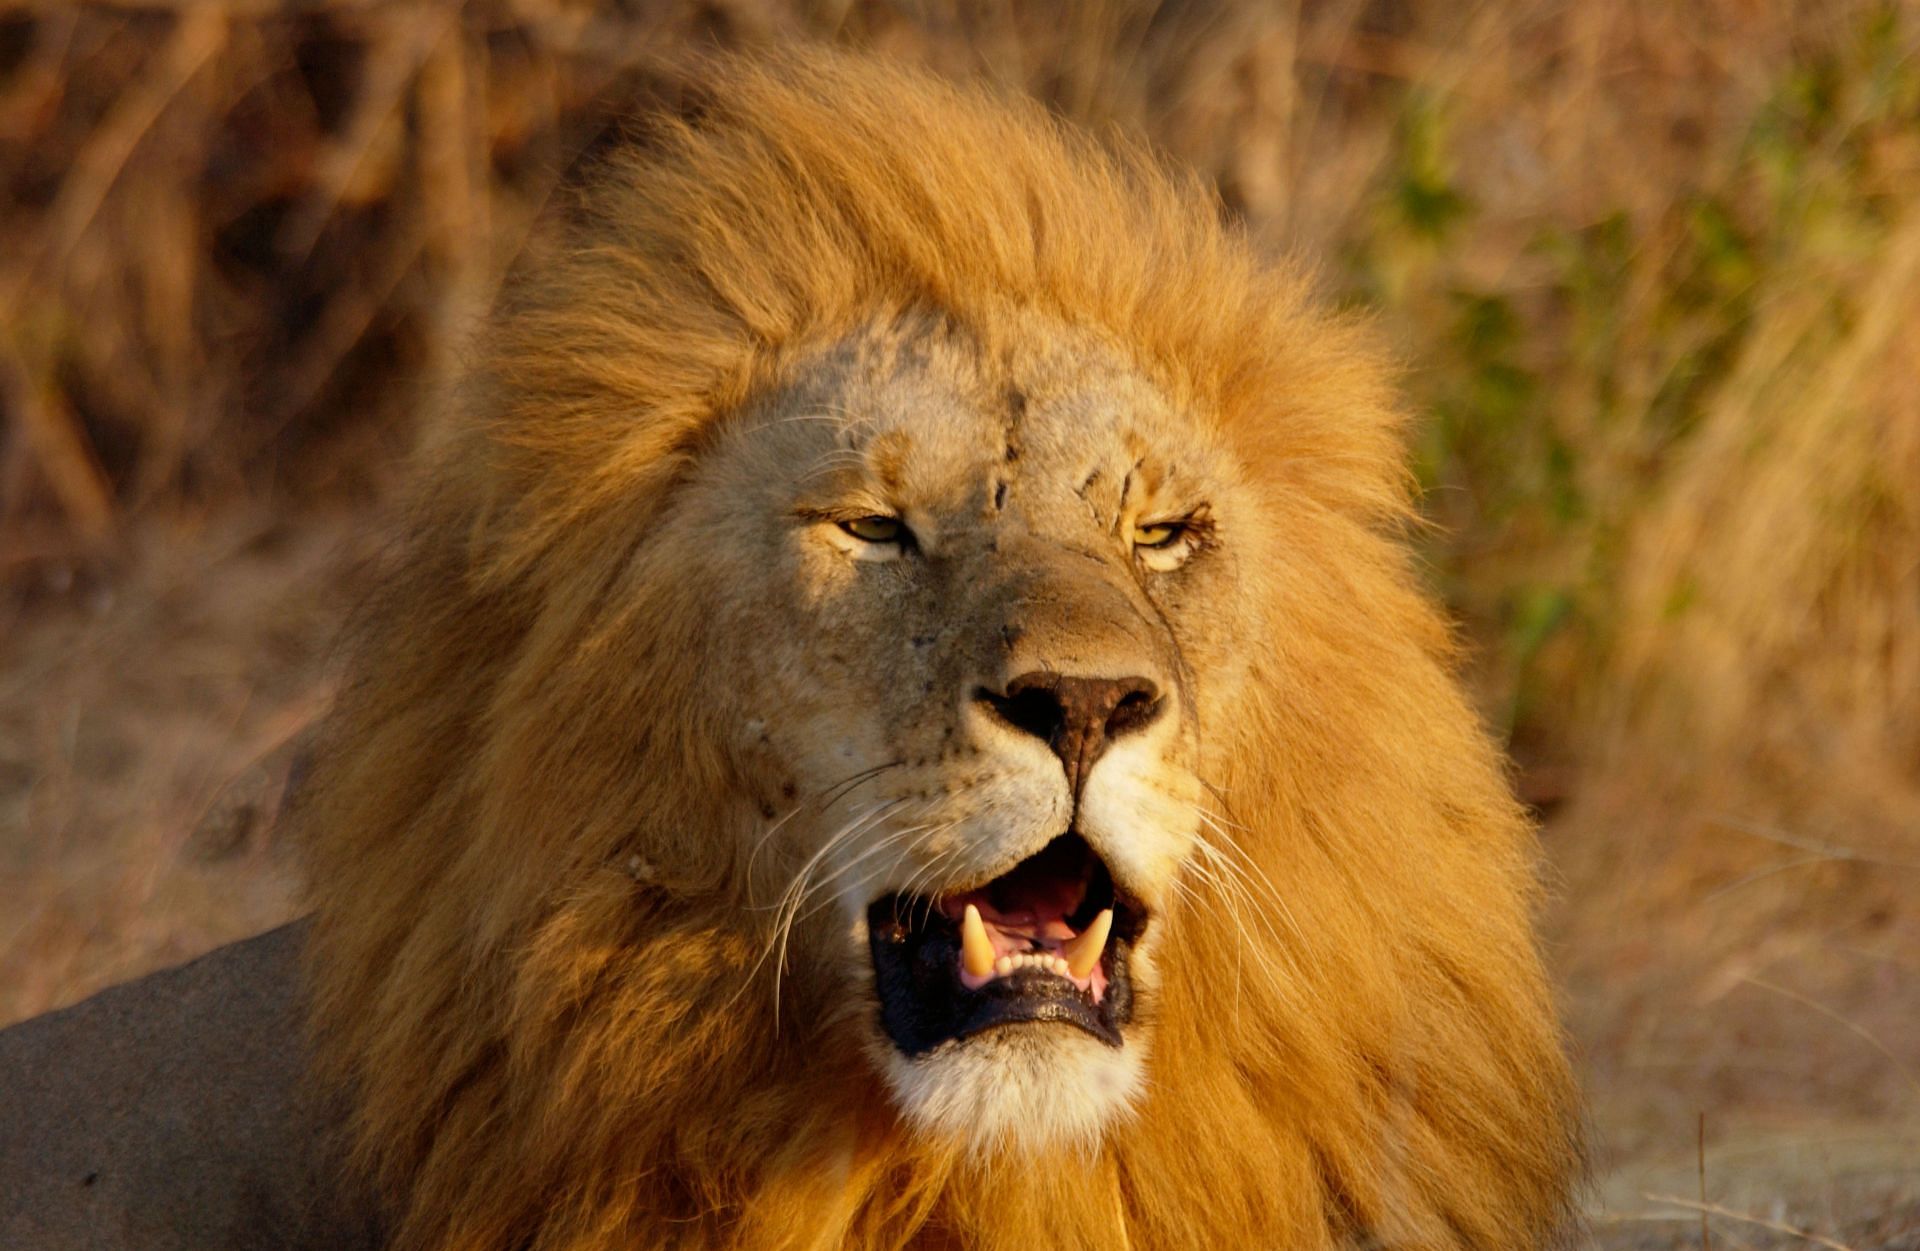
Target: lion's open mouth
[{"x": 1048, "y": 940}]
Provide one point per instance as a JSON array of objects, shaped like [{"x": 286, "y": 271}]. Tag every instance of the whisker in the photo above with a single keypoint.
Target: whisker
[
  {"x": 1231, "y": 900},
  {"x": 1218, "y": 823},
  {"x": 928, "y": 873},
  {"x": 1196, "y": 904},
  {"x": 892, "y": 838},
  {"x": 925, "y": 832},
  {"x": 833, "y": 461},
  {"x": 1237, "y": 888},
  {"x": 762, "y": 841},
  {"x": 840, "y": 789},
  {"x": 922, "y": 873},
  {"x": 830, "y": 418},
  {"x": 779, "y": 906},
  {"x": 798, "y": 893}
]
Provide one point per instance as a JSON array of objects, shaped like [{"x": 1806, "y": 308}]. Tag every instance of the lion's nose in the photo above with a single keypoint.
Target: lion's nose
[{"x": 1079, "y": 718}]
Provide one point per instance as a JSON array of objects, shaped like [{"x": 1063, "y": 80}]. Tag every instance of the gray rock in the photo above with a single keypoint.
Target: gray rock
[{"x": 176, "y": 1112}]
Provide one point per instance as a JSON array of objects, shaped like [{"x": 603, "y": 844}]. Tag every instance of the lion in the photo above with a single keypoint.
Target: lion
[{"x": 906, "y": 718}]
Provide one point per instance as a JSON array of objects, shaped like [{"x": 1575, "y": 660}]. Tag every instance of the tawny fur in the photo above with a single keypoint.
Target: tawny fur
[{"x": 536, "y": 956}]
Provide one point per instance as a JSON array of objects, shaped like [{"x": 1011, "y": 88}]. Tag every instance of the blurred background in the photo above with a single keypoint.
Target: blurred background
[{"x": 1654, "y": 267}]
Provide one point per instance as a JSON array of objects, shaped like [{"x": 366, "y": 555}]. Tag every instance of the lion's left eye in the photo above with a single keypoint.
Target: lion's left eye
[
  {"x": 875, "y": 529},
  {"x": 1159, "y": 534}
]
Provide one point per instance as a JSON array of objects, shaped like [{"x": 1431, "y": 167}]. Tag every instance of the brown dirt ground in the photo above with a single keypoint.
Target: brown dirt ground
[{"x": 147, "y": 714}]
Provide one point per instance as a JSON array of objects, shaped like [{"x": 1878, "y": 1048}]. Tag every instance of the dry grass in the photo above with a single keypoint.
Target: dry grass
[{"x": 1656, "y": 267}]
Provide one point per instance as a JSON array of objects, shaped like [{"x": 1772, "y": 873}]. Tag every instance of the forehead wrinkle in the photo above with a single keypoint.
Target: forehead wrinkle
[
  {"x": 1013, "y": 433},
  {"x": 887, "y": 454}
]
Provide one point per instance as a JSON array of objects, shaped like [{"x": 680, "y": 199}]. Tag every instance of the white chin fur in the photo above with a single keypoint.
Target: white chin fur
[{"x": 1021, "y": 1088}]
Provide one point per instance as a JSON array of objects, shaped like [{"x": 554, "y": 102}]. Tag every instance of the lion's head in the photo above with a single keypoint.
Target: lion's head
[{"x": 905, "y": 715}]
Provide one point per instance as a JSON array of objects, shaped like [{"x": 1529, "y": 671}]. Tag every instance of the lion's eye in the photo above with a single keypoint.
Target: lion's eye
[
  {"x": 1159, "y": 534},
  {"x": 876, "y": 529},
  {"x": 1163, "y": 546}
]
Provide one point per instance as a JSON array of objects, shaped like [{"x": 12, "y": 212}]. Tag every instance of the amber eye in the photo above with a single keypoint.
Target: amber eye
[
  {"x": 875, "y": 529},
  {"x": 1159, "y": 534}
]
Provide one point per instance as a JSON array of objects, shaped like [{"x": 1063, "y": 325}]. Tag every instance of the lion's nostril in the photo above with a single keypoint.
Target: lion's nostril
[
  {"x": 1032, "y": 709},
  {"x": 1077, "y": 717},
  {"x": 1135, "y": 711}
]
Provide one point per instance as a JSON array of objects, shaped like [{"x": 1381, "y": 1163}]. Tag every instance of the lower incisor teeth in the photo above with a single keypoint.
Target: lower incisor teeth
[{"x": 1045, "y": 961}]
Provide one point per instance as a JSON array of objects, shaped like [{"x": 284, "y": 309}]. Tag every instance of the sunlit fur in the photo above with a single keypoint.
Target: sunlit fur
[{"x": 539, "y": 956}]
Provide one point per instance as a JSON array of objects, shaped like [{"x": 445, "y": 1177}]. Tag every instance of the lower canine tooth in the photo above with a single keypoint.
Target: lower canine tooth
[{"x": 1084, "y": 951}]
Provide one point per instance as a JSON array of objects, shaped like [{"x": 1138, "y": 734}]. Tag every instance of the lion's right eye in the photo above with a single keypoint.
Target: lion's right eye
[{"x": 876, "y": 529}]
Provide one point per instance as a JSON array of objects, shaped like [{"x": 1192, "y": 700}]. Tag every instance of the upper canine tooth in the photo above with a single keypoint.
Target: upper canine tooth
[
  {"x": 1084, "y": 951},
  {"x": 976, "y": 949}
]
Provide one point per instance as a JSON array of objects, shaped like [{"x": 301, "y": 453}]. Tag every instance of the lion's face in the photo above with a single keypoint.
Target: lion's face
[{"x": 967, "y": 697}]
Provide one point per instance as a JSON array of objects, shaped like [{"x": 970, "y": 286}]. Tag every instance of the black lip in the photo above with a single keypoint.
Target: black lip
[{"x": 916, "y": 970}]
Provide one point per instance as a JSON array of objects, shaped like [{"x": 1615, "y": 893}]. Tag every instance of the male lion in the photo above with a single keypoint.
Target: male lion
[{"x": 905, "y": 719}]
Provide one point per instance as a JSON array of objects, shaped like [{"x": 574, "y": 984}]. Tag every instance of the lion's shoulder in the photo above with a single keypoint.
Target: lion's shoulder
[{"x": 172, "y": 1112}]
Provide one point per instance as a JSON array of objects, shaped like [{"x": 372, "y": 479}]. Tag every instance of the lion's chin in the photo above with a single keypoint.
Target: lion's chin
[{"x": 1025, "y": 1089}]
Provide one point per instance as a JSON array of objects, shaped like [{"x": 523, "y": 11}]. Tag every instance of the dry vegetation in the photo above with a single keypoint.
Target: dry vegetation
[{"x": 1656, "y": 267}]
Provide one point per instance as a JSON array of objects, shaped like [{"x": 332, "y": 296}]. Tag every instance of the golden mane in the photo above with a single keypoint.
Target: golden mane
[{"x": 533, "y": 963}]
